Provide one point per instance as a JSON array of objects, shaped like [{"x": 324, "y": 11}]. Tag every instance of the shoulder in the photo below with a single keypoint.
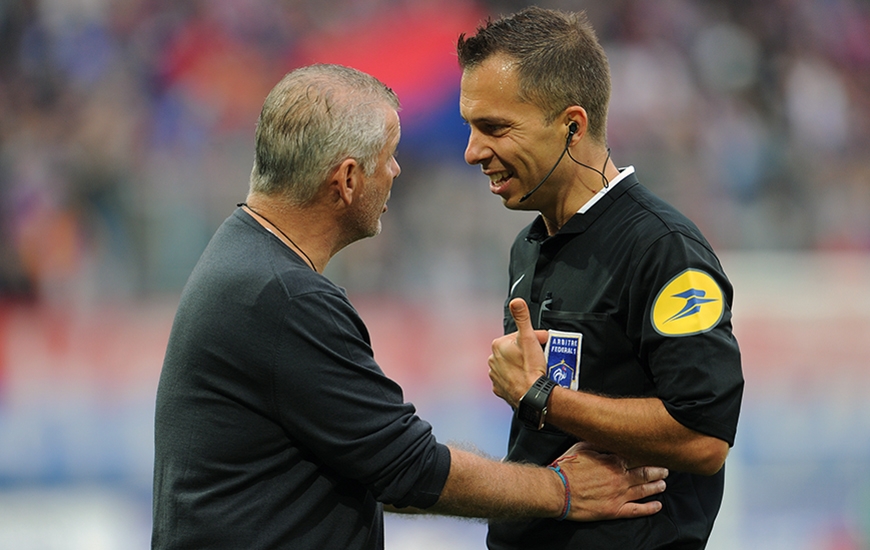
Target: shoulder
[
  {"x": 657, "y": 214},
  {"x": 655, "y": 238},
  {"x": 245, "y": 263},
  {"x": 639, "y": 219}
]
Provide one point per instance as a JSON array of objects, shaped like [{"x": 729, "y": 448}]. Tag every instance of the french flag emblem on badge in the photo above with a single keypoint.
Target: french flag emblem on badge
[{"x": 563, "y": 358}]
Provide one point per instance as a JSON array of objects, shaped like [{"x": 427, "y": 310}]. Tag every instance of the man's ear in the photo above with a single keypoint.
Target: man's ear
[
  {"x": 576, "y": 115},
  {"x": 347, "y": 180}
]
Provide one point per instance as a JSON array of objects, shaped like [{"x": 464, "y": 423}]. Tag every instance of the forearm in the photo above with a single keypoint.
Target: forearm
[
  {"x": 479, "y": 487},
  {"x": 639, "y": 429}
]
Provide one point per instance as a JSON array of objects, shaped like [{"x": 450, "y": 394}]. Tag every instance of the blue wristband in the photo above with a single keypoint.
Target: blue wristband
[{"x": 567, "y": 507}]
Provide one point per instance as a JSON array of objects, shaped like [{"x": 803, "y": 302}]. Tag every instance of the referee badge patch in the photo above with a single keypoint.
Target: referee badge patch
[
  {"x": 691, "y": 303},
  {"x": 563, "y": 358}
]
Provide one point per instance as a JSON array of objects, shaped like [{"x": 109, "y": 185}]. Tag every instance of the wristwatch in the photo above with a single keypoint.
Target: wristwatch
[{"x": 532, "y": 408}]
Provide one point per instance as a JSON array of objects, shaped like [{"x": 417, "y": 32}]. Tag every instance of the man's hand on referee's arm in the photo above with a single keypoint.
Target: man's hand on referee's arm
[
  {"x": 601, "y": 487},
  {"x": 582, "y": 485}
]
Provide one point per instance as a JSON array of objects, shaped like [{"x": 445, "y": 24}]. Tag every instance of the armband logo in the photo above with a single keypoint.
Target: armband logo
[{"x": 691, "y": 303}]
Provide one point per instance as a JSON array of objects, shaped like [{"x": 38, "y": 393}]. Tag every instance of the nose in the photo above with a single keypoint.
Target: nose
[
  {"x": 476, "y": 151},
  {"x": 396, "y": 168}
]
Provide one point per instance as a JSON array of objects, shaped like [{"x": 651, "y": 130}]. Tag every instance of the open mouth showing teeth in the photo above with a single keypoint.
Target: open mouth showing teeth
[{"x": 497, "y": 180}]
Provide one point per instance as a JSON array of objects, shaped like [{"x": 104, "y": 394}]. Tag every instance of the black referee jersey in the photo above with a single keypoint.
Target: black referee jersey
[{"x": 643, "y": 286}]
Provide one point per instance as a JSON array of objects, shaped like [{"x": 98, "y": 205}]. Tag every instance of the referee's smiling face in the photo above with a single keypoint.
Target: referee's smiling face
[{"x": 509, "y": 138}]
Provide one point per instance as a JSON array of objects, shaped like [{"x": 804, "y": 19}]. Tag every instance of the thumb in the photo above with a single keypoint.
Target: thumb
[{"x": 523, "y": 319}]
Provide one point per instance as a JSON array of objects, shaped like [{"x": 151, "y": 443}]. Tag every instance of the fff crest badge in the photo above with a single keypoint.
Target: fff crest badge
[{"x": 563, "y": 358}]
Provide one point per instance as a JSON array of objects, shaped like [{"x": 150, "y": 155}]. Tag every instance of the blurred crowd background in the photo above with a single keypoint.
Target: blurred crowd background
[
  {"x": 126, "y": 138},
  {"x": 127, "y": 124}
]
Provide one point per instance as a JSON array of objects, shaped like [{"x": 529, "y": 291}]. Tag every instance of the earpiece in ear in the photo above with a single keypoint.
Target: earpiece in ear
[{"x": 572, "y": 129}]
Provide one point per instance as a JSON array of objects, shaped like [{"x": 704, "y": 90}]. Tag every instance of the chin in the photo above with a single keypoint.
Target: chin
[
  {"x": 375, "y": 229},
  {"x": 513, "y": 203}
]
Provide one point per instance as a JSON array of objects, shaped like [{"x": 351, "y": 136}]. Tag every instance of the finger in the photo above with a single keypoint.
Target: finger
[
  {"x": 638, "y": 509},
  {"x": 522, "y": 317},
  {"x": 639, "y": 492},
  {"x": 643, "y": 490},
  {"x": 495, "y": 378},
  {"x": 645, "y": 474}
]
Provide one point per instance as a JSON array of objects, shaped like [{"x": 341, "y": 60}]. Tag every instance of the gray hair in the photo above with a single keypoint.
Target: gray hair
[{"x": 312, "y": 120}]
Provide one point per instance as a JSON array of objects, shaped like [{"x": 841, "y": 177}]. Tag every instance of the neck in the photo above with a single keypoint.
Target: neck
[
  {"x": 585, "y": 185},
  {"x": 290, "y": 226}
]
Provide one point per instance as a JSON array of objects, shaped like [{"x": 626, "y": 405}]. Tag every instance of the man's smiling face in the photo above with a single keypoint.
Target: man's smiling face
[{"x": 509, "y": 138}]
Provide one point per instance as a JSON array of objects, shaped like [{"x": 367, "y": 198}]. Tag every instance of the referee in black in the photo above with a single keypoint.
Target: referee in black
[{"x": 649, "y": 368}]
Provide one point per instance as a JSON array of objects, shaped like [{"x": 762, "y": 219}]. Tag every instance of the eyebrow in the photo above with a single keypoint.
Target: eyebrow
[{"x": 491, "y": 120}]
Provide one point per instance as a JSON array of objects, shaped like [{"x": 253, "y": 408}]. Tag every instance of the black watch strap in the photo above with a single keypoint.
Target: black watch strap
[{"x": 532, "y": 408}]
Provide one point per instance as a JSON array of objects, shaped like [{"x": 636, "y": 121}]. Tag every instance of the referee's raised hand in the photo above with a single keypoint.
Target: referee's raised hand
[{"x": 517, "y": 359}]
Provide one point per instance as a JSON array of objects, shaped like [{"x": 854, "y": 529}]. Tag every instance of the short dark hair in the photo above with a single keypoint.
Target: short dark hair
[{"x": 559, "y": 61}]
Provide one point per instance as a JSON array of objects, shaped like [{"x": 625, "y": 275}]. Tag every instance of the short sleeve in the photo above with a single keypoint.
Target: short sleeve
[{"x": 681, "y": 308}]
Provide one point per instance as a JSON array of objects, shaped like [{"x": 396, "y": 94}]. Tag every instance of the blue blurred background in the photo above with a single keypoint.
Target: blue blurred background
[{"x": 126, "y": 130}]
